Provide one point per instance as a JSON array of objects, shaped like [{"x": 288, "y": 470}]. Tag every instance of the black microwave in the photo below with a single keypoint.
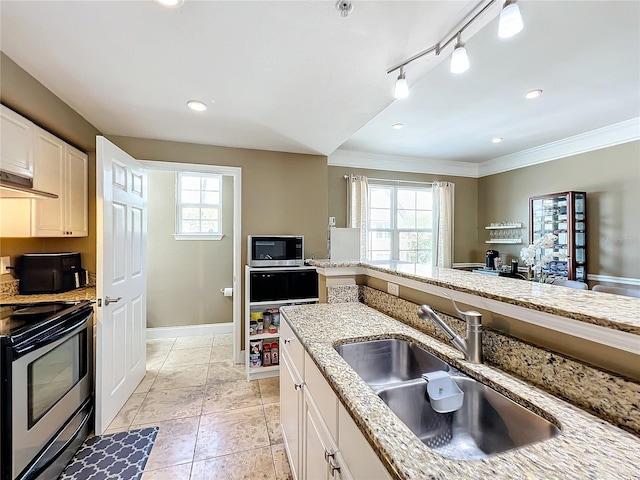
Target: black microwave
[{"x": 275, "y": 250}]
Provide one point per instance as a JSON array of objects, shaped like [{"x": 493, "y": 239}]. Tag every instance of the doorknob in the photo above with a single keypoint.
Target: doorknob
[{"x": 108, "y": 300}]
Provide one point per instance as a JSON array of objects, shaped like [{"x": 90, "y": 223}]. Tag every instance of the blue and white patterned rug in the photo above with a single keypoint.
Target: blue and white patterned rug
[{"x": 118, "y": 456}]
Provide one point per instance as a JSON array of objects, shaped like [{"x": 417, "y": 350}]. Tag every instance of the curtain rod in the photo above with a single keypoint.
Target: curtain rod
[{"x": 390, "y": 180}]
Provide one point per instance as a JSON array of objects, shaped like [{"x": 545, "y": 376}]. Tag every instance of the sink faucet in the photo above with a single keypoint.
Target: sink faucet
[{"x": 471, "y": 346}]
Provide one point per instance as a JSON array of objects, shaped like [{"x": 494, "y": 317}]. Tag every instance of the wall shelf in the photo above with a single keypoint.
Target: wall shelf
[
  {"x": 513, "y": 241},
  {"x": 512, "y": 226}
]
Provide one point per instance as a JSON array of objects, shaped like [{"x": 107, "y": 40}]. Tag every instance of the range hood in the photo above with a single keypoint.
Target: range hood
[{"x": 18, "y": 186}]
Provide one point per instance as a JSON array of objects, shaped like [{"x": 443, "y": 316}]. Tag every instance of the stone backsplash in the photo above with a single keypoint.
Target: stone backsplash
[{"x": 609, "y": 396}]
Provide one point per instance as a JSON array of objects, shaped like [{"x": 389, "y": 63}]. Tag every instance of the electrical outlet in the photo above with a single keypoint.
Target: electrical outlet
[
  {"x": 393, "y": 288},
  {"x": 4, "y": 263}
]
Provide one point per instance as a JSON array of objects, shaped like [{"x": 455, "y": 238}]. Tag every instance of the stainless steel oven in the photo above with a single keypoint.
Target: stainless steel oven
[{"x": 46, "y": 373}]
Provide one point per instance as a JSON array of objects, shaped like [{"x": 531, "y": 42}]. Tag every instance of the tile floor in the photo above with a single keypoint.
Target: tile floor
[{"x": 213, "y": 423}]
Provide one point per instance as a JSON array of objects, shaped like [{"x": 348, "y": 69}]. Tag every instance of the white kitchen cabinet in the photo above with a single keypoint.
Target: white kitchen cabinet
[
  {"x": 319, "y": 446},
  {"x": 57, "y": 168},
  {"x": 16, "y": 143},
  {"x": 291, "y": 401},
  {"x": 61, "y": 169},
  {"x": 356, "y": 452},
  {"x": 321, "y": 439}
]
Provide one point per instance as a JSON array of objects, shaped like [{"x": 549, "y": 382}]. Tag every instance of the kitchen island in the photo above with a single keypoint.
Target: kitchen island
[
  {"x": 612, "y": 311},
  {"x": 587, "y": 447}
]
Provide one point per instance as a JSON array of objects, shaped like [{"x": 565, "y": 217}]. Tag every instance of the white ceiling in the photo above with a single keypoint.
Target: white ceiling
[{"x": 295, "y": 76}]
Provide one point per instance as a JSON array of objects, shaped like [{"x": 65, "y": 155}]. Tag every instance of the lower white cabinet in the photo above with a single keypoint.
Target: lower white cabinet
[
  {"x": 321, "y": 439},
  {"x": 291, "y": 402}
]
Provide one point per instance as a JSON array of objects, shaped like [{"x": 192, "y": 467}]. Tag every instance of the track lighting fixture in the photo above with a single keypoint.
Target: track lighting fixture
[
  {"x": 459, "y": 58},
  {"x": 402, "y": 87},
  {"x": 510, "y": 20},
  {"x": 510, "y": 24}
]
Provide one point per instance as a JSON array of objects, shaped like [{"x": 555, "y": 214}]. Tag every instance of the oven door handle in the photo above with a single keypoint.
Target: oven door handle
[{"x": 27, "y": 347}]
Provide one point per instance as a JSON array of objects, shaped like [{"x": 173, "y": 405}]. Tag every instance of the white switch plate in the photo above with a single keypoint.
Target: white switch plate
[
  {"x": 393, "y": 288},
  {"x": 4, "y": 263},
  {"x": 332, "y": 221}
]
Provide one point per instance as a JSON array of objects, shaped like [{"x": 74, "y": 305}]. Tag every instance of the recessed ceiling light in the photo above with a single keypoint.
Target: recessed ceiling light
[
  {"x": 197, "y": 105},
  {"x": 397, "y": 126},
  {"x": 496, "y": 140},
  {"x": 170, "y": 3},
  {"x": 533, "y": 93}
]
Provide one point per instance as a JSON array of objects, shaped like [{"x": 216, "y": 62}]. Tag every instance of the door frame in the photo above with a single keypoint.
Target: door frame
[{"x": 236, "y": 173}]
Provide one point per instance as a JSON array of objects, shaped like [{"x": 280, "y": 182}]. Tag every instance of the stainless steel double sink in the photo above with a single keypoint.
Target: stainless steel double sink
[{"x": 486, "y": 424}]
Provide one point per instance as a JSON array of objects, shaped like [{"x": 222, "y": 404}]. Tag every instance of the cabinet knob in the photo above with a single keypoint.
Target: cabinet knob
[
  {"x": 287, "y": 341},
  {"x": 328, "y": 454},
  {"x": 297, "y": 386}
]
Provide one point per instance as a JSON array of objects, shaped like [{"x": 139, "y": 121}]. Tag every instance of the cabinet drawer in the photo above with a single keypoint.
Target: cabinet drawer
[
  {"x": 290, "y": 343},
  {"x": 323, "y": 396},
  {"x": 358, "y": 455}
]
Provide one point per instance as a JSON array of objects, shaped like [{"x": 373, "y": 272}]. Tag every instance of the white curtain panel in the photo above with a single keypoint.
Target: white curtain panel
[
  {"x": 442, "y": 227},
  {"x": 357, "y": 209}
]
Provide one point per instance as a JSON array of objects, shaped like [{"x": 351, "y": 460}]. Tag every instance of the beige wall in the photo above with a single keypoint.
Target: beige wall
[
  {"x": 466, "y": 197},
  {"x": 281, "y": 192},
  {"x": 24, "y": 94},
  {"x": 185, "y": 277},
  {"x": 611, "y": 178}
]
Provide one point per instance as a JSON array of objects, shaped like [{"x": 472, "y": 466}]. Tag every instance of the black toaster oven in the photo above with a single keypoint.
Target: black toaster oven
[{"x": 50, "y": 272}]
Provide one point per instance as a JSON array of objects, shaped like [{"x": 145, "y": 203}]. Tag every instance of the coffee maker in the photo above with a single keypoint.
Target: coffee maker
[{"x": 490, "y": 259}]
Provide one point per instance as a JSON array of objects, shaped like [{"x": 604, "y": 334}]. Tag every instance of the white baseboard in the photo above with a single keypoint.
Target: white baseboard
[{"x": 189, "y": 330}]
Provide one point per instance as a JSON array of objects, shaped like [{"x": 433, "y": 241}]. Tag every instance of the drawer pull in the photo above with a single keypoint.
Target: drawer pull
[
  {"x": 328, "y": 454},
  {"x": 334, "y": 467}
]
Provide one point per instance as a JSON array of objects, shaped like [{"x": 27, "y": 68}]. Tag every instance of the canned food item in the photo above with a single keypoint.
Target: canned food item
[
  {"x": 253, "y": 327},
  {"x": 255, "y": 353}
]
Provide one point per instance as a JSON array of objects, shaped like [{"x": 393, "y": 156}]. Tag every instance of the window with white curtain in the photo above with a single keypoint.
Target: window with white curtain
[
  {"x": 400, "y": 223},
  {"x": 198, "y": 206}
]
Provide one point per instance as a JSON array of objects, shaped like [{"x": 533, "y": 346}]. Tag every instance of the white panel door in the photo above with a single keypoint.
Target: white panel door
[{"x": 121, "y": 229}]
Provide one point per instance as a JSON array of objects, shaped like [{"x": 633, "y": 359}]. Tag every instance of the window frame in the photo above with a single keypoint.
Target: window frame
[
  {"x": 394, "y": 231},
  {"x": 179, "y": 235}
]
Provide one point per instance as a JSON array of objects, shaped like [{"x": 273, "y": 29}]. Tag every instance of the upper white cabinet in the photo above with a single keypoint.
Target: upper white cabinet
[
  {"x": 56, "y": 168},
  {"x": 63, "y": 170},
  {"x": 16, "y": 140}
]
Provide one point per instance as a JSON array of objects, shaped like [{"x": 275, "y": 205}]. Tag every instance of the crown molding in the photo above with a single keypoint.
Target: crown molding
[
  {"x": 396, "y": 163},
  {"x": 616, "y": 134}
]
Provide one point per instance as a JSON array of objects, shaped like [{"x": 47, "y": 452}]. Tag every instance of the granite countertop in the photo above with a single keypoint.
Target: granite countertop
[
  {"x": 587, "y": 447},
  {"x": 604, "y": 309},
  {"x": 84, "y": 293}
]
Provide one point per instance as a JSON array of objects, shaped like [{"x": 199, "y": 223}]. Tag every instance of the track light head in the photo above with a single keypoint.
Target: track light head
[
  {"x": 459, "y": 58},
  {"x": 402, "y": 87},
  {"x": 510, "y": 20}
]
